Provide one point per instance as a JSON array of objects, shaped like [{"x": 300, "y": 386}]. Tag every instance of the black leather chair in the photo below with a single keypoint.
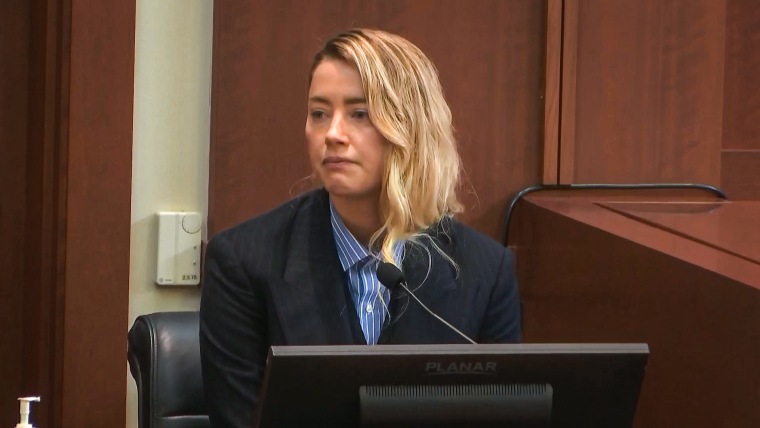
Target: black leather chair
[{"x": 164, "y": 358}]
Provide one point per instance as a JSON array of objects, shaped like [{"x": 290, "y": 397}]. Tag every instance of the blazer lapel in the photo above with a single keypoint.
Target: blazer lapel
[
  {"x": 430, "y": 284},
  {"x": 312, "y": 302}
]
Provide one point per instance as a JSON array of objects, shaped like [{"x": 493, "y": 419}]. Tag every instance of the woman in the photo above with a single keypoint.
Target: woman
[{"x": 381, "y": 145}]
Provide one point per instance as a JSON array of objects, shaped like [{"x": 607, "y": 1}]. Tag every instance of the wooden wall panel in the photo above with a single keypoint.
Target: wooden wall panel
[
  {"x": 44, "y": 249},
  {"x": 66, "y": 134},
  {"x": 550, "y": 154},
  {"x": 740, "y": 159},
  {"x": 490, "y": 55},
  {"x": 568, "y": 83},
  {"x": 740, "y": 174},
  {"x": 589, "y": 275},
  {"x": 98, "y": 214},
  {"x": 648, "y": 91},
  {"x": 741, "y": 103},
  {"x": 14, "y": 84}
]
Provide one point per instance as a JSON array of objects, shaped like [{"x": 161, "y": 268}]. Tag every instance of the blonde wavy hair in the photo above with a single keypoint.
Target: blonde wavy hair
[{"x": 406, "y": 104}]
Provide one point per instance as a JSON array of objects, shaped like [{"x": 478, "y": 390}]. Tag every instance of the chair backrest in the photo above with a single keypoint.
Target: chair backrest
[{"x": 164, "y": 359}]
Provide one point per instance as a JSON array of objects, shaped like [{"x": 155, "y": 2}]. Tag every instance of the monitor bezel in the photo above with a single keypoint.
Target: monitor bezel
[{"x": 554, "y": 360}]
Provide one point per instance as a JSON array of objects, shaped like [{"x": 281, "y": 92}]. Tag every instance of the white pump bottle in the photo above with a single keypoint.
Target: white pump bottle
[{"x": 24, "y": 411}]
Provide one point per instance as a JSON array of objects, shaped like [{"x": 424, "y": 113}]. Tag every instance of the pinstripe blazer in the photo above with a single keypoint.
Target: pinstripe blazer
[{"x": 276, "y": 280}]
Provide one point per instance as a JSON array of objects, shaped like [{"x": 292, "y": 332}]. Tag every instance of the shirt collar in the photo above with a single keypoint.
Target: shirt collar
[{"x": 350, "y": 251}]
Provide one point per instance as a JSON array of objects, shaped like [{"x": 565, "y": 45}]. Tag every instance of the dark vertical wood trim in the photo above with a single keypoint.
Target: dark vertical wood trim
[
  {"x": 552, "y": 93},
  {"x": 78, "y": 188},
  {"x": 59, "y": 140},
  {"x": 569, "y": 69},
  {"x": 45, "y": 240},
  {"x": 15, "y": 34},
  {"x": 98, "y": 212}
]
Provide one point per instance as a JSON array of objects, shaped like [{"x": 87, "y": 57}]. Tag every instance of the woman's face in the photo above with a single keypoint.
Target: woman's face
[{"x": 345, "y": 149}]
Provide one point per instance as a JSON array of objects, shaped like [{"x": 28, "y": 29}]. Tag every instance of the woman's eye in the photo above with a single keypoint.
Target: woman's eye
[
  {"x": 360, "y": 114},
  {"x": 317, "y": 114}
]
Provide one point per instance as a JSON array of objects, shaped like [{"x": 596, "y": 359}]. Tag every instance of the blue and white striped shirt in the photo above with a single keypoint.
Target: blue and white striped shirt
[{"x": 370, "y": 297}]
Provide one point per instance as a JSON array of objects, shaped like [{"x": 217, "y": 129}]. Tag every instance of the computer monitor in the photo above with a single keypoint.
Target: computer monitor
[{"x": 518, "y": 385}]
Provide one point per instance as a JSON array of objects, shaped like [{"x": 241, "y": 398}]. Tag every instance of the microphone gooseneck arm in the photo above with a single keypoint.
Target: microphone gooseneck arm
[
  {"x": 392, "y": 277},
  {"x": 403, "y": 285}
]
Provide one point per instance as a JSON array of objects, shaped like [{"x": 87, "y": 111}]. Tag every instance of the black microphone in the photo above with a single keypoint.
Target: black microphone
[{"x": 392, "y": 278}]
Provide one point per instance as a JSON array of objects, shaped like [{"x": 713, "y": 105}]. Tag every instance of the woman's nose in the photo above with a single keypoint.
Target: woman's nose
[{"x": 337, "y": 131}]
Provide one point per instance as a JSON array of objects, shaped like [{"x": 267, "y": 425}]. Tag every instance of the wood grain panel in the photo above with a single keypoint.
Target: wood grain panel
[
  {"x": 740, "y": 174},
  {"x": 741, "y": 103},
  {"x": 77, "y": 217},
  {"x": 730, "y": 227},
  {"x": 552, "y": 92},
  {"x": 45, "y": 218},
  {"x": 623, "y": 281},
  {"x": 649, "y": 91},
  {"x": 490, "y": 55},
  {"x": 98, "y": 214},
  {"x": 14, "y": 84},
  {"x": 569, "y": 87}
]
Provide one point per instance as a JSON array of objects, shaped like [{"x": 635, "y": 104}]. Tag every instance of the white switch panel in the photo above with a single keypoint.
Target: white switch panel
[{"x": 179, "y": 248}]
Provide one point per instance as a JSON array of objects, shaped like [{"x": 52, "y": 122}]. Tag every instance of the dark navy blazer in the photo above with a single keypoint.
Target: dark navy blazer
[{"x": 276, "y": 280}]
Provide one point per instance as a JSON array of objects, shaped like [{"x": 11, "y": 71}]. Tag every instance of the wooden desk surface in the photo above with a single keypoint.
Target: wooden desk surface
[
  {"x": 682, "y": 275},
  {"x": 733, "y": 227},
  {"x": 721, "y": 236}
]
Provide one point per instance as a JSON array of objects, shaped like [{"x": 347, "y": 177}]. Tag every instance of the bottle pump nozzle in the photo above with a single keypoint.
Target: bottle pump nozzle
[{"x": 24, "y": 411}]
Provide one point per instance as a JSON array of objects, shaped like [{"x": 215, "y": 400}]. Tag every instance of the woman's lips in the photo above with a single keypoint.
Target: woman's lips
[{"x": 336, "y": 161}]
